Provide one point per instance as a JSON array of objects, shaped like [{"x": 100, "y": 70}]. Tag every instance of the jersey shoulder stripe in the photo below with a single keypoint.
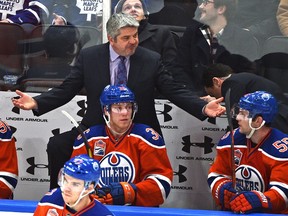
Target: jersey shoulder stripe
[
  {"x": 5, "y": 132},
  {"x": 94, "y": 131},
  {"x": 148, "y": 135},
  {"x": 53, "y": 197},
  {"x": 276, "y": 146},
  {"x": 225, "y": 141}
]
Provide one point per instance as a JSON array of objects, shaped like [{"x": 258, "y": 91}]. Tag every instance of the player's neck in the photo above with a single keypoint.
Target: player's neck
[
  {"x": 118, "y": 134},
  {"x": 84, "y": 202},
  {"x": 260, "y": 134}
]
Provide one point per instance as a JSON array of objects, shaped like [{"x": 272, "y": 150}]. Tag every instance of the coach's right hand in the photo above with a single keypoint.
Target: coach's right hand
[{"x": 24, "y": 101}]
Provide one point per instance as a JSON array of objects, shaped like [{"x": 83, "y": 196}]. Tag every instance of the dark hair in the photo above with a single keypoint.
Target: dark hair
[
  {"x": 231, "y": 6},
  {"x": 60, "y": 41},
  {"x": 215, "y": 70}
]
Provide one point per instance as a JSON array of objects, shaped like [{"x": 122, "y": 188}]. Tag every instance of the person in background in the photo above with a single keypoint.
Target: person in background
[
  {"x": 214, "y": 39},
  {"x": 153, "y": 6},
  {"x": 258, "y": 17},
  {"x": 260, "y": 160},
  {"x": 23, "y": 12},
  {"x": 218, "y": 78},
  {"x": 67, "y": 12},
  {"x": 98, "y": 66},
  {"x": 282, "y": 17},
  {"x": 8, "y": 162},
  {"x": 136, "y": 148},
  {"x": 77, "y": 180},
  {"x": 156, "y": 38},
  {"x": 88, "y": 20}
]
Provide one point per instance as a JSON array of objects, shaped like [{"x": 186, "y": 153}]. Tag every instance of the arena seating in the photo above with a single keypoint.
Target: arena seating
[{"x": 41, "y": 56}]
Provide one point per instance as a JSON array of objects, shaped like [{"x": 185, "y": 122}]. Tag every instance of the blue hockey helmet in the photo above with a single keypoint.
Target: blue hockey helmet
[
  {"x": 113, "y": 94},
  {"x": 259, "y": 103},
  {"x": 84, "y": 168}
]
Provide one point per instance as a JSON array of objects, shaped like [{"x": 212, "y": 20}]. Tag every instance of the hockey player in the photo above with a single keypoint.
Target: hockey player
[
  {"x": 77, "y": 181},
  {"x": 133, "y": 157},
  {"x": 8, "y": 162},
  {"x": 20, "y": 12},
  {"x": 260, "y": 160}
]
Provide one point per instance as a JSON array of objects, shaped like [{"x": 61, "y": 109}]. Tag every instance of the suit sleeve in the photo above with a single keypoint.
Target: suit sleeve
[
  {"x": 62, "y": 94},
  {"x": 182, "y": 97}
]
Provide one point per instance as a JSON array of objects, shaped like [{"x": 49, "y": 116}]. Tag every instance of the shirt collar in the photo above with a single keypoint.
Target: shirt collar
[{"x": 114, "y": 55}]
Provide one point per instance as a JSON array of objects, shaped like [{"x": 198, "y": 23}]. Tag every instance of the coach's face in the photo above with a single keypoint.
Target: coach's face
[{"x": 126, "y": 42}]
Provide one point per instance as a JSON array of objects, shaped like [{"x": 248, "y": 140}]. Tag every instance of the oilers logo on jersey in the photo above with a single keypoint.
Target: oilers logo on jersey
[
  {"x": 116, "y": 167},
  {"x": 249, "y": 178}
]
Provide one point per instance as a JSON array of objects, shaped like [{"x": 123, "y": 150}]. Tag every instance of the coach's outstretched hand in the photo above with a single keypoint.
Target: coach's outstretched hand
[
  {"x": 214, "y": 108},
  {"x": 24, "y": 101}
]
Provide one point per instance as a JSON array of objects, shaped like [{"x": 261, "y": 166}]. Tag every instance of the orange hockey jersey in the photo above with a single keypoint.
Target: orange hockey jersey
[
  {"x": 262, "y": 168},
  {"x": 139, "y": 157},
  {"x": 52, "y": 204},
  {"x": 8, "y": 162}
]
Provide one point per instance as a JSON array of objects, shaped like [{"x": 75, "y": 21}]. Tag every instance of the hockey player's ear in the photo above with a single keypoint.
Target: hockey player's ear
[
  {"x": 105, "y": 110},
  {"x": 257, "y": 121}
]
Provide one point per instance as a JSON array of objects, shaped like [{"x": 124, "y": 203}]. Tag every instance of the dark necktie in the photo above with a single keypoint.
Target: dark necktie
[
  {"x": 121, "y": 76},
  {"x": 213, "y": 49}
]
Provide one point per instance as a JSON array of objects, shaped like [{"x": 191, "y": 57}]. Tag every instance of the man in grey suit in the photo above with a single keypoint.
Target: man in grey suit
[{"x": 95, "y": 68}]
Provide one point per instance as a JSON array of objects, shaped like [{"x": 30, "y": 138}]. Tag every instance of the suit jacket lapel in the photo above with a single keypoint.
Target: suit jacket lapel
[
  {"x": 104, "y": 55},
  {"x": 135, "y": 69}
]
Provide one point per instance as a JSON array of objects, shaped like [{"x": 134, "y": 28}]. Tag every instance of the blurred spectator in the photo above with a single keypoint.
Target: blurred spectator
[
  {"x": 153, "y": 6},
  {"x": 8, "y": 162},
  {"x": 215, "y": 41},
  {"x": 176, "y": 13},
  {"x": 218, "y": 78},
  {"x": 22, "y": 12},
  {"x": 259, "y": 17},
  {"x": 156, "y": 38},
  {"x": 282, "y": 17},
  {"x": 75, "y": 13},
  {"x": 63, "y": 12},
  {"x": 61, "y": 42}
]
